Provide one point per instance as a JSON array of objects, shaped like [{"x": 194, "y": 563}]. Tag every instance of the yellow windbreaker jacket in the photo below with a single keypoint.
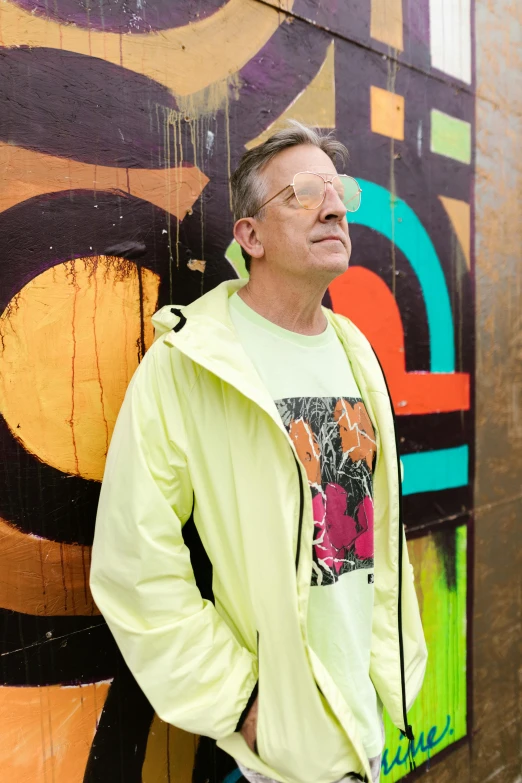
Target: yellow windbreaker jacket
[{"x": 199, "y": 436}]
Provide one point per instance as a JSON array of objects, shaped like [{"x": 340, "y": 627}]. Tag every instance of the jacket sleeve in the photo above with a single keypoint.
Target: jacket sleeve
[{"x": 184, "y": 656}]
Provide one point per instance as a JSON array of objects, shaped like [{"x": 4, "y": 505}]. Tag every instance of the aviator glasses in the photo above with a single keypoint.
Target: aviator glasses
[{"x": 310, "y": 190}]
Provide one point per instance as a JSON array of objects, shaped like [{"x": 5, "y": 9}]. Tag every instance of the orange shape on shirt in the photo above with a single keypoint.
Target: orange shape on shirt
[
  {"x": 307, "y": 448},
  {"x": 356, "y": 431}
]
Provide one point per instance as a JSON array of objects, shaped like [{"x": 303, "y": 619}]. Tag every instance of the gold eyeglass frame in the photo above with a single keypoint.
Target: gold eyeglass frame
[{"x": 325, "y": 179}]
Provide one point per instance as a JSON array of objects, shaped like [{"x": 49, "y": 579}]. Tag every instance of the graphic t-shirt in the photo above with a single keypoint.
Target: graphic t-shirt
[{"x": 312, "y": 384}]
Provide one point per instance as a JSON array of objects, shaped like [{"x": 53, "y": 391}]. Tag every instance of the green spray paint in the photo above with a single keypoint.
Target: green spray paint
[{"x": 438, "y": 716}]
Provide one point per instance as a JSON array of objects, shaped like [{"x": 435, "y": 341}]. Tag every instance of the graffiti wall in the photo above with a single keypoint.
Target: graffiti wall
[{"x": 119, "y": 127}]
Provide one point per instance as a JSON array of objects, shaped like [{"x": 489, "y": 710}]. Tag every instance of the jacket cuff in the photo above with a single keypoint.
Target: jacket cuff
[{"x": 251, "y": 700}]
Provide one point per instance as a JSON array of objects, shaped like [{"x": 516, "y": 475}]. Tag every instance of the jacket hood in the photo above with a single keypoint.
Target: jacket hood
[
  {"x": 164, "y": 320},
  {"x": 210, "y": 339},
  {"x": 210, "y": 304}
]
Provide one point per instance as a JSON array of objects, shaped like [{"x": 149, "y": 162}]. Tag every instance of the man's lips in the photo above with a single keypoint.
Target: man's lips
[{"x": 330, "y": 238}]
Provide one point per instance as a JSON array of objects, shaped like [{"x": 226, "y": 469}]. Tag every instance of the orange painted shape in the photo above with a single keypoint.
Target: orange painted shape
[
  {"x": 460, "y": 217},
  {"x": 43, "y": 577},
  {"x": 170, "y": 754},
  {"x": 196, "y": 265},
  {"x": 387, "y": 113},
  {"x": 70, "y": 345},
  {"x": 365, "y": 299},
  {"x": 26, "y": 174},
  {"x": 47, "y": 731},
  {"x": 386, "y": 24}
]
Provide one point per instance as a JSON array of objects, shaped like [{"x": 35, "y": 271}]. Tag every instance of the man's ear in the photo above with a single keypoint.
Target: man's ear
[{"x": 245, "y": 232}]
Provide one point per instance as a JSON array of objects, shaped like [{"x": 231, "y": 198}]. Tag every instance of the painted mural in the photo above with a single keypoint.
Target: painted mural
[{"x": 120, "y": 123}]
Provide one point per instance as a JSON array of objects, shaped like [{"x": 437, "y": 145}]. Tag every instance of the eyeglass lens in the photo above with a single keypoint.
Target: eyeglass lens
[{"x": 309, "y": 190}]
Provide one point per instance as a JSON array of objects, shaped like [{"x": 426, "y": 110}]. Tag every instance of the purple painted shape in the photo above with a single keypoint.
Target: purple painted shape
[
  {"x": 109, "y": 120},
  {"x": 350, "y": 18},
  {"x": 124, "y": 16},
  {"x": 417, "y": 20},
  {"x": 101, "y": 111},
  {"x": 277, "y": 74}
]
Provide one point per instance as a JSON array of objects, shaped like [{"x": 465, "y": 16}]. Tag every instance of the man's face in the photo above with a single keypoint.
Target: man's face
[{"x": 303, "y": 242}]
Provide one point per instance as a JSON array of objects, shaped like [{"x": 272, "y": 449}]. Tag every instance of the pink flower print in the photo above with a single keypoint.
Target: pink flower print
[
  {"x": 323, "y": 548},
  {"x": 341, "y": 529},
  {"x": 364, "y": 542},
  {"x": 318, "y": 509}
]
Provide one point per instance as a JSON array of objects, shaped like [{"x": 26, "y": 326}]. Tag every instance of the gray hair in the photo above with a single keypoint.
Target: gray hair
[{"x": 248, "y": 188}]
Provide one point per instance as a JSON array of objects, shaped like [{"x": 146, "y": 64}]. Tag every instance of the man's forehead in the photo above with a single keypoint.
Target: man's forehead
[{"x": 304, "y": 157}]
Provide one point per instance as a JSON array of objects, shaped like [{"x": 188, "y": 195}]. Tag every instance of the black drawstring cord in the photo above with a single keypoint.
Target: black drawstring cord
[
  {"x": 182, "y": 319},
  {"x": 409, "y": 736}
]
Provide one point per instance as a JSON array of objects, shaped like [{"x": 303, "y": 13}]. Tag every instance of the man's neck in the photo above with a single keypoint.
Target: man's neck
[{"x": 294, "y": 305}]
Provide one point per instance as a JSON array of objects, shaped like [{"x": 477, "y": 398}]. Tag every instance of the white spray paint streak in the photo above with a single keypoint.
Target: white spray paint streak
[
  {"x": 419, "y": 139},
  {"x": 450, "y": 37}
]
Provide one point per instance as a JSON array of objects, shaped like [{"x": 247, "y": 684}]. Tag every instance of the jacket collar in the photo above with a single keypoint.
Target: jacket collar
[{"x": 209, "y": 339}]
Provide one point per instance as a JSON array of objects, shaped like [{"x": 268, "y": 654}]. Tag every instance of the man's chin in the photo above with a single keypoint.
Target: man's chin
[{"x": 334, "y": 262}]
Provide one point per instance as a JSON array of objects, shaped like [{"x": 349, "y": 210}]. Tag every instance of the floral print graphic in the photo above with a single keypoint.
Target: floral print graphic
[
  {"x": 335, "y": 440},
  {"x": 356, "y": 431}
]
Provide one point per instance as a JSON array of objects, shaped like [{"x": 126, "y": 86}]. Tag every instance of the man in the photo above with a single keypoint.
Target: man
[{"x": 266, "y": 418}]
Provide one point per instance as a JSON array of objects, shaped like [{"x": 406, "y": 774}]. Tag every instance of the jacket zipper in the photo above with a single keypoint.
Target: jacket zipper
[
  {"x": 301, "y": 507},
  {"x": 408, "y": 732}
]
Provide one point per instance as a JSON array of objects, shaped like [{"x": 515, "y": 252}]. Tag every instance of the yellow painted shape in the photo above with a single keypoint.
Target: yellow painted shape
[
  {"x": 70, "y": 344},
  {"x": 26, "y": 174},
  {"x": 196, "y": 265},
  {"x": 315, "y": 105},
  {"x": 459, "y": 214},
  {"x": 184, "y": 59},
  {"x": 386, "y": 22},
  {"x": 170, "y": 754},
  {"x": 47, "y": 731},
  {"x": 387, "y": 113},
  {"x": 43, "y": 577}
]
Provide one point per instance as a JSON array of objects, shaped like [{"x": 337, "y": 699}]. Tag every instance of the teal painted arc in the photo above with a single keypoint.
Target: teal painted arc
[
  {"x": 430, "y": 471},
  {"x": 391, "y": 216}
]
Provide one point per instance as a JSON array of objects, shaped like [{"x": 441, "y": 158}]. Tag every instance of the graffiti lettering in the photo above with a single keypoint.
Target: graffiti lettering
[{"x": 420, "y": 746}]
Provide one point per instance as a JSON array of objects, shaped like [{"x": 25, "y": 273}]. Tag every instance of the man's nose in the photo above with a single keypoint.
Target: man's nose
[{"x": 332, "y": 207}]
